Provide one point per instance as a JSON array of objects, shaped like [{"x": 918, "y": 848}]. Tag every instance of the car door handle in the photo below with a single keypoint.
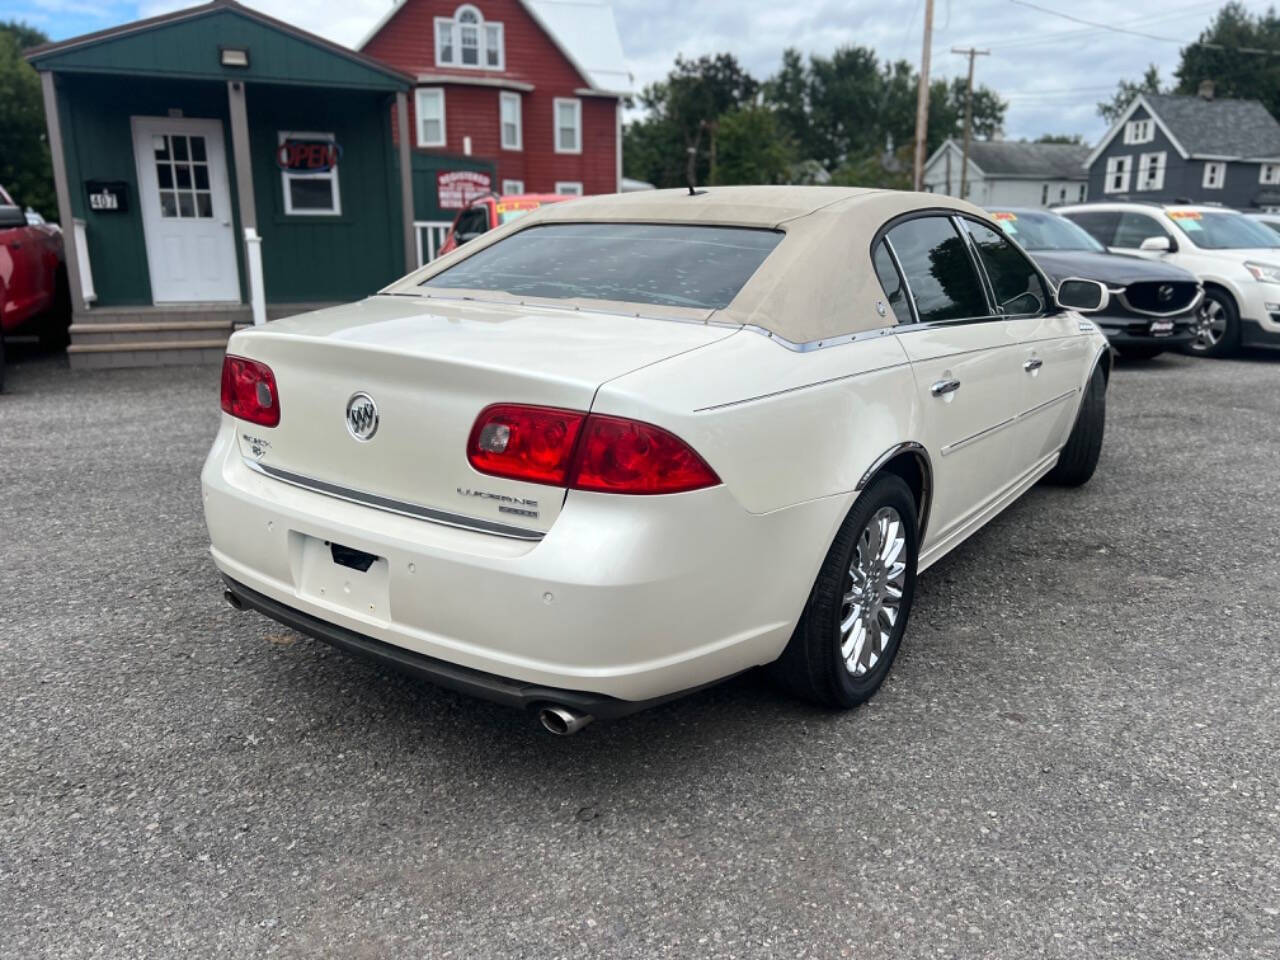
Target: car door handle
[
  {"x": 943, "y": 387},
  {"x": 1035, "y": 363}
]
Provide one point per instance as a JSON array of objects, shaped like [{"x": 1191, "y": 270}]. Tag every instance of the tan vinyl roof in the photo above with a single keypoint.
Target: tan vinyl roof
[{"x": 817, "y": 284}]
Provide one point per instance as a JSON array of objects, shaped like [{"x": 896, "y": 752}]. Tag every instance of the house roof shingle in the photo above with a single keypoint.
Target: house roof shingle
[
  {"x": 1218, "y": 127},
  {"x": 1015, "y": 158}
]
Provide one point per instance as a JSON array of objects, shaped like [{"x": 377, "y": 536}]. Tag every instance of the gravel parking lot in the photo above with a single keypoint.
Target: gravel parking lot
[{"x": 1076, "y": 755}]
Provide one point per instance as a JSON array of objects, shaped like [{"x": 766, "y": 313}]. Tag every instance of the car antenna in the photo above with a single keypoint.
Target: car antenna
[{"x": 693, "y": 191}]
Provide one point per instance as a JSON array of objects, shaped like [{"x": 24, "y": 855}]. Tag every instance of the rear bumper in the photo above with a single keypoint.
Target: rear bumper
[
  {"x": 626, "y": 598},
  {"x": 485, "y": 686}
]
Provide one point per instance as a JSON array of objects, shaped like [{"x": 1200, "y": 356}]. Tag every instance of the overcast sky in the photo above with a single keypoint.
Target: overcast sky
[{"x": 1051, "y": 70}]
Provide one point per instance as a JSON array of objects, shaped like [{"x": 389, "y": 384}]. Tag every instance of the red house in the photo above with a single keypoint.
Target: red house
[{"x": 533, "y": 87}]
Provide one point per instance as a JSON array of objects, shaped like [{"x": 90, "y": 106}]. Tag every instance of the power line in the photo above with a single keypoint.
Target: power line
[{"x": 1257, "y": 51}]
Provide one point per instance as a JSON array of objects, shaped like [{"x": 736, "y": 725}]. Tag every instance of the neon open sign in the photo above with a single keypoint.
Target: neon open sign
[{"x": 308, "y": 156}]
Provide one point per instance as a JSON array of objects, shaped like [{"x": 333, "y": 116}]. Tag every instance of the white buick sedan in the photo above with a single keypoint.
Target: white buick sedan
[{"x": 626, "y": 447}]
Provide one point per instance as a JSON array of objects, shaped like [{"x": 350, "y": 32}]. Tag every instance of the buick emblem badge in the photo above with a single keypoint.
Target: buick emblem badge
[{"x": 362, "y": 417}]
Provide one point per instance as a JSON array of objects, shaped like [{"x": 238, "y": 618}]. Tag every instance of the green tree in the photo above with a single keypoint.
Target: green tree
[
  {"x": 787, "y": 94},
  {"x": 1223, "y": 56},
  {"x": 946, "y": 112},
  {"x": 25, "y": 170},
  {"x": 1126, "y": 90},
  {"x": 753, "y": 147},
  {"x": 1075, "y": 138}
]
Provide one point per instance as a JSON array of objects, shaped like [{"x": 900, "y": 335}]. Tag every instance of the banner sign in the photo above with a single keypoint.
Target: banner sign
[
  {"x": 308, "y": 156},
  {"x": 456, "y": 188}
]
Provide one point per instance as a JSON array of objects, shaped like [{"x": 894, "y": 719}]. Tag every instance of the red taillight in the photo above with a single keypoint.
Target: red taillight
[
  {"x": 566, "y": 448},
  {"x": 524, "y": 443},
  {"x": 249, "y": 391}
]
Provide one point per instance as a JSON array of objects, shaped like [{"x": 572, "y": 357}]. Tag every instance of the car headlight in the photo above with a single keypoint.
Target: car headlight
[{"x": 1264, "y": 272}]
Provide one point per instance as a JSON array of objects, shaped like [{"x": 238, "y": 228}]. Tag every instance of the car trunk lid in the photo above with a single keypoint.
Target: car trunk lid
[{"x": 430, "y": 367}]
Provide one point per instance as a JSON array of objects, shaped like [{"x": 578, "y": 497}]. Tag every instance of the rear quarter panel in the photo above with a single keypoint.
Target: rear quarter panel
[{"x": 779, "y": 426}]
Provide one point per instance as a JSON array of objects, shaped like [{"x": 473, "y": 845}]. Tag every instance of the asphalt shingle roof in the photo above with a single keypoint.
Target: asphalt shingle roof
[
  {"x": 1227, "y": 128},
  {"x": 1014, "y": 158}
]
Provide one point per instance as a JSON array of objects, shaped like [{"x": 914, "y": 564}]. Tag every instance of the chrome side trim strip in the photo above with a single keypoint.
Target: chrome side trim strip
[
  {"x": 953, "y": 447},
  {"x": 986, "y": 432},
  {"x": 1043, "y": 406},
  {"x": 910, "y": 445},
  {"x": 390, "y": 505}
]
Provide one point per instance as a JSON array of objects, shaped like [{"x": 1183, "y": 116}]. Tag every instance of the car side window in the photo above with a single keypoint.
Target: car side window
[
  {"x": 1099, "y": 224},
  {"x": 472, "y": 223},
  {"x": 1018, "y": 289},
  {"x": 938, "y": 270},
  {"x": 891, "y": 280},
  {"x": 1136, "y": 227}
]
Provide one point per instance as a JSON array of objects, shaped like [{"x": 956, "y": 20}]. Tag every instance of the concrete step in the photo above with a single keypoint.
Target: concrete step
[
  {"x": 179, "y": 313},
  {"x": 146, "y": 353},
  {"x": 93, "y": 334}
]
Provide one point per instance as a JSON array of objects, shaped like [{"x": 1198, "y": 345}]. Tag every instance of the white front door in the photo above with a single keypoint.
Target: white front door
[{"x": 185, "y": 199}]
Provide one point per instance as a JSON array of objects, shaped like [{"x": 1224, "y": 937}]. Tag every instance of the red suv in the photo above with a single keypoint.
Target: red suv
[
  {"x": 33, "y": 278},
  {"x": 484, "y": 213}
]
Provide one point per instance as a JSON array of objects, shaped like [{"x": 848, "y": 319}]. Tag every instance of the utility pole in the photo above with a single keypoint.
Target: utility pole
[
  {"x": 968, "y": 117},
  {"x": 922, "y": 96}
]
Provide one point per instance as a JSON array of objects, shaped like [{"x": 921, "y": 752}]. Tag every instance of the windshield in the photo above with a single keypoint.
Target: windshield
[
  {"x": 1045, "y": 231},
  {"x": 671, "y": 265},
  {"x": 1222, "y": 231}
]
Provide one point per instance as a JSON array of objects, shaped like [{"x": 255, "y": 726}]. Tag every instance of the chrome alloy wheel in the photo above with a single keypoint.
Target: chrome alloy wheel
[
  {"x": 1211, "y": 325},
  {"x": 873, "y": 598}
]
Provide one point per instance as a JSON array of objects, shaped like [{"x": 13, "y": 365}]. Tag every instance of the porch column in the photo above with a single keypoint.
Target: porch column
[
  {"x": 244, "y": 195},
  {"x": 63, "y": 191},
  {"x": 406, "y": 182}
]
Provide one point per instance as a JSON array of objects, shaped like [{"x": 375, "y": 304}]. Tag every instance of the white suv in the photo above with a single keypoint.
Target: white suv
[{"x": 1236, "y": 257}]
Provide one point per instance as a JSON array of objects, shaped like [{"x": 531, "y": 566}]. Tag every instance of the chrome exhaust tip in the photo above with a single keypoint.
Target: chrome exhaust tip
[
  {"x": 232, "y": 599},
  {"x": 563, "y": 721}
]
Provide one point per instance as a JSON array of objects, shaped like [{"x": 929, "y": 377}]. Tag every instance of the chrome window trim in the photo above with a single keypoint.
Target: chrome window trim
[
  {"x": 906, "y": 284},
  {"x": 390, "y": 505}
]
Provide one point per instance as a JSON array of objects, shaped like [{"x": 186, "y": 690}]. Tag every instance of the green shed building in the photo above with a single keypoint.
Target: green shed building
[{"x": 215, "y": 166}]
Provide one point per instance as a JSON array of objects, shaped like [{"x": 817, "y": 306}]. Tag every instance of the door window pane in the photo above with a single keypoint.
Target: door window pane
[
  {"x": 168, "y": 204},
  {"x": 1099, "y": 224},
  {"x": 1136, "y": 227},
  {"x": 892, "y": 283},
  {"x": 186, "y": 206},
  {"x": 1018, "y": 288},
  {"x": 179, "y": 148},
  {"x": 938, "y": 270}
]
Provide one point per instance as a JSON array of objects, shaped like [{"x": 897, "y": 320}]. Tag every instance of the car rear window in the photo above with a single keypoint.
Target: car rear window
[{"x": 673, "y": 265}]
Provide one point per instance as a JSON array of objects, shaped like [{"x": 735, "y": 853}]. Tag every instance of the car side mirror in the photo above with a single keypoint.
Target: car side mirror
[
  {"x": 12, "y": 216},
  {"x": 1158, "y": 245},
  {"x": 1085, "y": 296}
]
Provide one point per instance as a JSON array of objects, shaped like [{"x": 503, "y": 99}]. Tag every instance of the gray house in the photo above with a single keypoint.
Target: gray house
[
  {"x": 1010, "y": 173},
  {"x": 1193, "y": 149}
]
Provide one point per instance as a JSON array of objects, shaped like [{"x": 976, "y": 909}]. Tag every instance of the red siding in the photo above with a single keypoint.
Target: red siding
[{"x": 407, "y": 41}]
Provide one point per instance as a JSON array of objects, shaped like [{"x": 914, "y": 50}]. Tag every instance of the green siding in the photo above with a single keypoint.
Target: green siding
[
  {"x": 425, "y": 167},
  {"x": 189, "y": 49},
  {"x": 317, "y": 258},
  {"x": 95, "y": 114},
  {"x": 305, "y": 258}
]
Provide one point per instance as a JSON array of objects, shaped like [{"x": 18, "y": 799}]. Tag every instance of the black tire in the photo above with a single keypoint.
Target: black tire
[
  {"x": 55, "y": 325},
  {"x": 1140, "y": 353},
  {"x": 1228, "y": 342},
  {"x": 1079, "y": 458},
  {"x": 812, "y": 667}
]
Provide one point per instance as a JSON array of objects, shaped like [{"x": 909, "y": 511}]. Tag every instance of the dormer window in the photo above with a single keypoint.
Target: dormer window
[{"x": 466, "y": 40}]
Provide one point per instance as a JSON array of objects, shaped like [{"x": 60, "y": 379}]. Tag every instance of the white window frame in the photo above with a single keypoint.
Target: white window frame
[
  {"x": 452, "y": 28},
  {"x": 577, "y": 120},
  {"x": 506, "y": 99},
  {"x": 287, "y": 176},
  {"x": 1121, "y": 166},
  {"x": 1151, "y": 168},
  {"x": 1218, "y": 167},
  {"x": 1269, "y": 173},
  {"x": 419, "y": 96},
  {"x": 1140, "y": 131},
  {"x": 512, "y": 186},
  {"x": 569, "y": 188}
]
